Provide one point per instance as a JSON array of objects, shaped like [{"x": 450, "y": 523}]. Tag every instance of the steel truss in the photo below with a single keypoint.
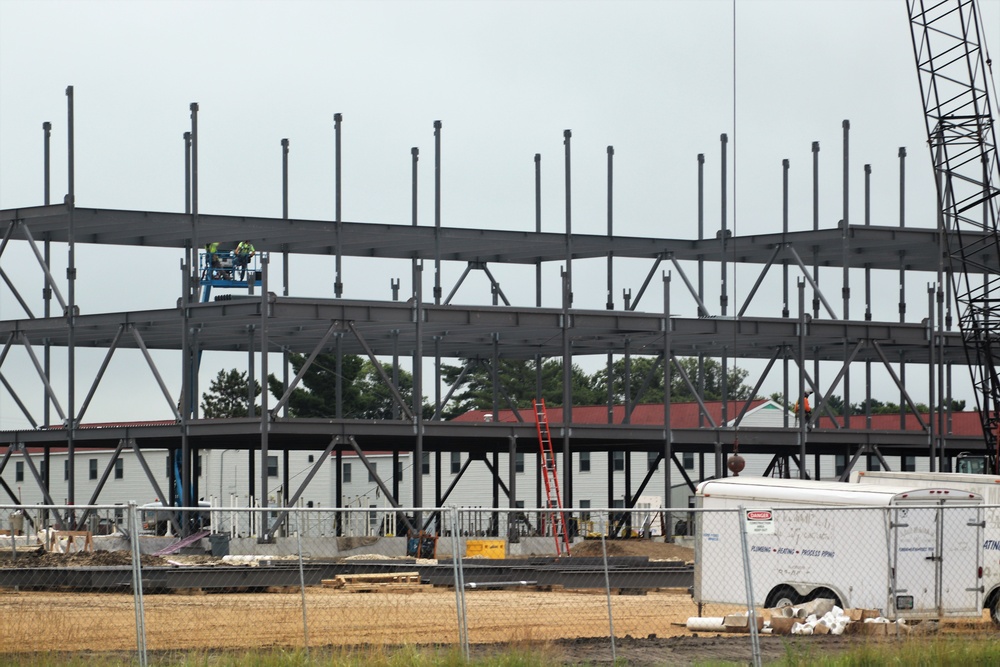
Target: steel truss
[{"x": 484, "y": 334}]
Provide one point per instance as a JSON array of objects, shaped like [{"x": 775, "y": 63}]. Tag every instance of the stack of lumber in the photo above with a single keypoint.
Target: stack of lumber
[{"x": 382, "y": 582}]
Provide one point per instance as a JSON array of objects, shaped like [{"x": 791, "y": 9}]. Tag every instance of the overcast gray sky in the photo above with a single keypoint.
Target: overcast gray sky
[{"x": 653, "y": 79}]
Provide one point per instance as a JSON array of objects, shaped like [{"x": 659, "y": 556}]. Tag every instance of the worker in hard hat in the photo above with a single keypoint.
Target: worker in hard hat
[
  {"x": 806, "y": 409},
  {"x": 244, "y": 252}
]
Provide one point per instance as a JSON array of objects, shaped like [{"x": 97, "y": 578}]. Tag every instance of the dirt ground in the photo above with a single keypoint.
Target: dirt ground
[
  {"x": 647, "y": 548},
  {"x": 570, "y": 626}
]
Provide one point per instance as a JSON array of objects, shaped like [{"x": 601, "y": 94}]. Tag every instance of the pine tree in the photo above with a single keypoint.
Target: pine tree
[{"x": 227, "y": 396}]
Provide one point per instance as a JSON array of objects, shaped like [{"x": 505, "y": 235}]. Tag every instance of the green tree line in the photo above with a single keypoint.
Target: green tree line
[{"x": 364, "y": 395}]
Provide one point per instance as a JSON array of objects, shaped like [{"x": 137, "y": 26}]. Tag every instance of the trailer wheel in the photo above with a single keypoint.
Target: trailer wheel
[
  {"x": 993, "y": 604},
  {"x": 782, "y": 596}
]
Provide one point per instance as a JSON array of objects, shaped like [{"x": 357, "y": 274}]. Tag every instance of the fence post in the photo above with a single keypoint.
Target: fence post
[
  {"x": 459, "y": 577},
  {"x": 140, "y": 610},
  {"x": 607, "y": 591},
  {"x": 748, "y": 582},
  {"x": 302, "y": 582}
]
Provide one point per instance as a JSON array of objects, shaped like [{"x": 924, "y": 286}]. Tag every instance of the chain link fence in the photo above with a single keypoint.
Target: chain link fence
[{"x": 308, "y": 579}]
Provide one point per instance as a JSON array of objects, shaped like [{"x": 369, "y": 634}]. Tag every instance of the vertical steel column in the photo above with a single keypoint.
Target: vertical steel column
[
  {"x": 943, "y": 408},
  {"x": 538, "y": 304},
  {"x": 668, "y": 438},
  {"x": 395, "y": 369},
  {"x": 784, "y": 237},
  {"x": 701, "y": 274},
  {"x": 802, "y": 378},
  {"x": 724, "y": 296},
  {"x": 284, "y": 275},
  {"x": 71, "y": 308},
  {"x": 338, "y": 285},
  {"x": 816, "y": 280},
  {"x": 285, "y": 481},
  {"x": 611, "y": 280},
  {"x": 902, "y": 286},
  {"x": 845, "y": 238},
  {"x": 192, "y": 250},
  {"x": 931, "y": 334},
  {"x": 815, "y": 176},
  {"x": 47, "y": 300},
  {"x": 723, "y": 234},
  {"x": 495, "y": 516},
  {"x": 567, "y": 304},
  {"x": 187, "y": 173},
  {"x": 265, "y": 413},
  {"x": 785, "y": 165},
  {"x": 627, "y": 382},
  {"x": 868, "y": 299},
  {"x": 338, "y": 491},
  {"x": 190, "y": 296},
  {"x": 610, "y": 305},
  {"x": 418, "y": 390},
  {"x": 418, "y": 451},
  {"x": 512, "y": 518},
  {"x": 567, "y": 136},
  {"x": 437, "y": 216},
  {"x": 251, "y": 454},
  {"x": 611, "y": 478},
  {"x": 437, "y": 260},
  {"x": 396, "y": 478},
  {"x": 567, "y": 359}
]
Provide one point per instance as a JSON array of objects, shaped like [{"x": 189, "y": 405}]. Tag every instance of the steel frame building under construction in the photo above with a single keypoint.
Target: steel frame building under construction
[{"x": 807, "y": 327}]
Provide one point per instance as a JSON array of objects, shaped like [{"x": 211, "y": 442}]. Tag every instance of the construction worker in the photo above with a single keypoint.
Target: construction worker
[
  {"x": 213, "y": 259},
  {"x": 806, "y": 408},
  {"x": 244, "y": 252}
]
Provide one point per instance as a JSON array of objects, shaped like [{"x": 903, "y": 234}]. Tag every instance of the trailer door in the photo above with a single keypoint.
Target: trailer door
[
  {"x": 961, "y": 556},
  {"x": 936, "y": 558}
]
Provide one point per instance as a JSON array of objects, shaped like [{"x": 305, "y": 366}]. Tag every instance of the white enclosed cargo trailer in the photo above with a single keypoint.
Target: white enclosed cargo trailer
[
  {"x": 908, "y": 551},
  {"x": 988, "y": 486}
]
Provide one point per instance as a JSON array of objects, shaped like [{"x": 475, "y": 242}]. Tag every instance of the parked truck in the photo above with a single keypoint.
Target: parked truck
[
  {"x": 988, "y": 486},
  {"x": 909, "y": 551}
]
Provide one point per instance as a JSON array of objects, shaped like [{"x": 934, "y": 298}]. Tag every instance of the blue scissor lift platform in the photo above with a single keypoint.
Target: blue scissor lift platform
[{"x": 221, "y": 269}]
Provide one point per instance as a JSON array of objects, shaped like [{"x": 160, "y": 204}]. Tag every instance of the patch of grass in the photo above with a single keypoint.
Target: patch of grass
[
  {"x": 941, "y": 651},
  {"x": 376, "y": 656}
]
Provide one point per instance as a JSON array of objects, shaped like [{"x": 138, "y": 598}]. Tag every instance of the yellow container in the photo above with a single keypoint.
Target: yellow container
[{"x": 486, "y": 548}]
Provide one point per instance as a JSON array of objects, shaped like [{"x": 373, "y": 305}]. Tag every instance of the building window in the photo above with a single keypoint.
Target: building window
[
  {"x": 618, "y": 461},
  {"x": 687, "y": 459},
  {"x": 310, "y": 458},
  {"x": 840, "y": 464},
  {"x": 119, "y": 469},
  {"x": 43, "y": 470},
  {"x": 373, "y": 472},
  {"x": 425, "y": 463},
  {"x": 65, "y": 469},
  {"x": 399, "y": 471},
  {"x": 584, "y": 505},
  {"x": 272, "y": 466},
  {"x": 197, "y": 467},
  {"x": 345, "y": 473},
  {"x": 909, "y": 463},
  {"x": 19, "y": 471},
  {"x": 93, "y": 468},
  {"x": 873, "y": 463},
  {"x": 653, "y": 459},
  {"x": 456, "y": 462},
  {"x": 519, "y": 462},
  {"x": 584, "y": 461}
]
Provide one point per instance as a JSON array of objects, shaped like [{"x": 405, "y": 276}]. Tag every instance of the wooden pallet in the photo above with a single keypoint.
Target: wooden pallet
[{"x": 381, "y": 582}]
